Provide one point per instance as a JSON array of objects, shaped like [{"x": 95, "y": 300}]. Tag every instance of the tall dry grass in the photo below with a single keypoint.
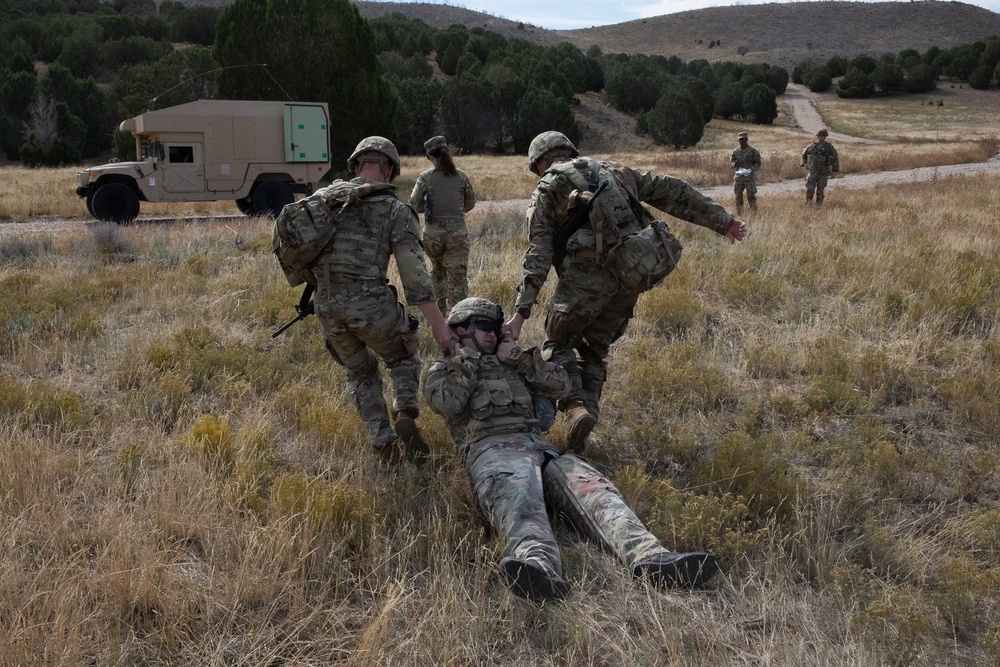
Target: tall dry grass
[{"x": 817, "y": 405}]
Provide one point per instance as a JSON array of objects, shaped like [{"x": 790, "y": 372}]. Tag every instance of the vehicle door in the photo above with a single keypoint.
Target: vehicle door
[{"x": 183, "y": 167}]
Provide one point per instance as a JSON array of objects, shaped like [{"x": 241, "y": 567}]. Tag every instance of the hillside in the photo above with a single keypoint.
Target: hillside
[{"x": 777, "y": 33}]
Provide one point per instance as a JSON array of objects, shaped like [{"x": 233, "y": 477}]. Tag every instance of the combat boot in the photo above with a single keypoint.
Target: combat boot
[
  {"x": 415, "y": 445},
  {"x": 387, "y": 444},
  {"x": 580, "y": 424},
  {"x": 670, "y": 569},
  {"x": 532, "y": 580}
]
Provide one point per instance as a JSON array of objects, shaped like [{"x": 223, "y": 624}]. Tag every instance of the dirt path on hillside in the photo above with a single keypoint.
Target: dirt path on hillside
[{"x": 803, "y": 104}]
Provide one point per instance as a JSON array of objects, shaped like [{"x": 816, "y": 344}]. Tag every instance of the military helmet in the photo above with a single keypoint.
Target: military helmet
[
  {"x": 545, "y": 142},
  {"x": 474, "y": 306},
  {"x": 374, "y": 145},
  {"x": 823, "y": 133}
]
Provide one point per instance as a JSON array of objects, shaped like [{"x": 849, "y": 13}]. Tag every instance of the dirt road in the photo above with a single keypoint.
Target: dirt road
[{"x": 803, "y": 104}]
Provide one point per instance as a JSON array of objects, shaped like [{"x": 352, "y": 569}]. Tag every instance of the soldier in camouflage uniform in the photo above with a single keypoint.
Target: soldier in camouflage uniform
[
  {"x": 745, "y": 158},
  {"x": 590, "y": 309},
  {"x": 821, "y": 158},
  {"x": 483, "y": 390},
  {"x": 444, "y": 195},
  {"x": 359, "y": 314}
]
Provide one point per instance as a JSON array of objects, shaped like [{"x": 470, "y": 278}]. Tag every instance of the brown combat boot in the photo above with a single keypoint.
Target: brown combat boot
[
  {"x": 581, "y": 423},
  {"x": 416, "y": 447}
]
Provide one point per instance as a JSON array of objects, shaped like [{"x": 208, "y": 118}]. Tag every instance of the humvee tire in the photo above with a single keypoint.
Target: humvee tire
[
  {"x": 269, "y": 197},
  {"x": 115, "y": 202}
]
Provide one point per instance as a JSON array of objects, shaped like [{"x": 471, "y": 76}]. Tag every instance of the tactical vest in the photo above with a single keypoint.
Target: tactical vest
[{"x": 500, "y": 404}]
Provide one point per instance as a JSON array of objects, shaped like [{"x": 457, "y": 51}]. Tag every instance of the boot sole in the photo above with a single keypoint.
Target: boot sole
[
  {"x": 532, "y": 582},
  {"x": 686, "y": 570}
]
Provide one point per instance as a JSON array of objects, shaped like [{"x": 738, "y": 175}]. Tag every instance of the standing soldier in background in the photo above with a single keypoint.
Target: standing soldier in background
[
  {"x": 745, "y": 162},
  {"x": 444, "y": 195},
  {"x": 821, "y": 158},
  {"x": 616, "y": 253},
  {"x": 360, "y": 316},
  {"x": 483, "y": 391}
]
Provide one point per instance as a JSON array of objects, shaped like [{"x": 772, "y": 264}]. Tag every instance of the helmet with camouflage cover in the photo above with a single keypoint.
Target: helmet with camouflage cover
[
  {"x": 474, "y": 306},
  {"x": 364, "y": 153},
  {"x": 546, "y": 142}
]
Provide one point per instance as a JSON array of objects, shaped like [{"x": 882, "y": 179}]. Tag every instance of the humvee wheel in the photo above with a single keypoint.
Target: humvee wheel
[
  {"x": 90, "y": 203},
  {"x": 115, "y": 202},
  {"x": 269, "y": 197},
  {"x": 246, "y": 206}
]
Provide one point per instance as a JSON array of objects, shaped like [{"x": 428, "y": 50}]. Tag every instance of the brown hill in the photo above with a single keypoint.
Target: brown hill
[{"x": 778, "y": 33}]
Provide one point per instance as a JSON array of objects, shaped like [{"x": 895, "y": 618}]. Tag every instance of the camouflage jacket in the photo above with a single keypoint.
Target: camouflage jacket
[
  {"x": 821, "y": 157},
  {"x": 439, "y": 196},
  {"x": 368, "y": 232},
  {"x": 478, "y": 395},
  {"x": 746, "y": 158},
  {"x": 615, "y": 214}
]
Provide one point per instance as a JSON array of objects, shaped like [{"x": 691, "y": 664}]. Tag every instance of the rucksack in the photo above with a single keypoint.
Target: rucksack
[{"x": 305, "y": 227}]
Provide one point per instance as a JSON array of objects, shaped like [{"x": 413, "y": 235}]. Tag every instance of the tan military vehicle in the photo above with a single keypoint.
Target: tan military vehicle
[{"x": 256, "y": 153}]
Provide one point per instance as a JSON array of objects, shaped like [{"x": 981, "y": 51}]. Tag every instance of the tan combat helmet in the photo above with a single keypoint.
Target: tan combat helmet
[
  {"x": 547, "y": 142},
  {"x": 474, "y": 306},
  {"x": 364, "y": 153}
]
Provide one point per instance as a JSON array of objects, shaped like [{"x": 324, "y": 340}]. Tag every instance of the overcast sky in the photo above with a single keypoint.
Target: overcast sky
[{"x": 563, "y": 15}]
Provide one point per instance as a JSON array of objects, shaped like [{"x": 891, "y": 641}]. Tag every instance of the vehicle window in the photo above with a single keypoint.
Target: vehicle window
[{"x": 181, "y": 154}]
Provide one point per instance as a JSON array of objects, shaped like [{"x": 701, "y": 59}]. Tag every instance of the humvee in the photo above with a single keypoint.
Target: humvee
[{"x": 256, "y": 153}]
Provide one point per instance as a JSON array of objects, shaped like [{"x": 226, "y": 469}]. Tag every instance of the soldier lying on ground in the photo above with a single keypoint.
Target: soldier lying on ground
[{"x": 484, "y": 392}]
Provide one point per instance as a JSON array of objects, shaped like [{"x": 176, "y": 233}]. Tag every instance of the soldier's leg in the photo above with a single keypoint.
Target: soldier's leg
[
  {"x": 435, "y": 243},
  {"x": 603, "y": 330},
  {"x": 810, "y": 186},
  {"x": 592, "y": 503},
  {"x": 365, "y": 384},
  {"x": 821, "y": 181},
  {"x": 752, "y": 194},
  {"x": 393, "y": 337},
  {"x": 456, "y": 262},
  {"x": 738, "y": 187},
  {"x": 507, "y": 478}
]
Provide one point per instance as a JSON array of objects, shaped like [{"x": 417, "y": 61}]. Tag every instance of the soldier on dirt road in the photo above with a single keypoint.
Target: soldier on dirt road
[
  {"x": 820, "y": 158},
  {"x": 745, "y": 162}
]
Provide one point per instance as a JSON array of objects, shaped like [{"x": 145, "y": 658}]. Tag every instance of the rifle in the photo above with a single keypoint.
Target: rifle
[
  {"x": 575, "y": 220},
  {"x": 304, "y": 308}
]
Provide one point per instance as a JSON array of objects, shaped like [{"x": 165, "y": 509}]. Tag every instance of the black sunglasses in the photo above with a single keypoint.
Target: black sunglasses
[{"x": 483, "y": 325}]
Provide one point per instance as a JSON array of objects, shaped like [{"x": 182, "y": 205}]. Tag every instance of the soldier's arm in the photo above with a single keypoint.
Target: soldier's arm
[
  {"x": 542, "y": 220},
  {"x": 805, "y": 156},
  {"x": 468, "y": 193},
  {"x": 679, "y": 199},
  {"x": 448, "y": 385},
  {"x": 417, "y": 196},
  {"x": 835, "y": 165},
  {"x": 404, "y": 239},
  {"x": 539, "y": 373},
  {"x": 756, "y": 161}
]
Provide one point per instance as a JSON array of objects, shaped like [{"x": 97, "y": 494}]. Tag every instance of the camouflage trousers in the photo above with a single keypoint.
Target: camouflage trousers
[
  {"x": 514, "y": 474},
  {"x": 587, "y": 313},
  {"x": 750, "y": 186},
  {"x": 816, "y": 182},
  {"x": 446, "y": 244},
  {"x": 362, "y": 324}
]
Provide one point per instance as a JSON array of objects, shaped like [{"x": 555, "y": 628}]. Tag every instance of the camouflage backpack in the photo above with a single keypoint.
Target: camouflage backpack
[{"x": 304, "y": 228}]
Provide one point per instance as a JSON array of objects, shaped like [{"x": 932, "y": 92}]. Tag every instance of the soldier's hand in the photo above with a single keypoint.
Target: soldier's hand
[
  {"x": 504, "y": 347},
  {"x": 737, "y": 231},
  {"x": 513, "y": 326},
  {"x": 443, "y": 335}
]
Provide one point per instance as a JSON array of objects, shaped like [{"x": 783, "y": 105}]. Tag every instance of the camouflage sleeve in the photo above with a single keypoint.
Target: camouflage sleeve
[
  {"x": 404, "y": 238},
  {"x": 805, "y": 155},
  {"x": 539, "y": 373},
  {"x": 755, "y": 160},
  {"x": 542, "y": 219},
  {"x": 419, "y": 190},
  {"x": 734, "y": 158},
  {"x": 677, "y": 198},
  {"x": 835, "y": 162},
  {"x": 448, "y": 385},
  {"x": 468, "y": 193}
]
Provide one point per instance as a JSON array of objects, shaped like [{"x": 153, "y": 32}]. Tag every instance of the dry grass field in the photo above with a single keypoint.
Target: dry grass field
[{"x": 817, "y": 405}]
